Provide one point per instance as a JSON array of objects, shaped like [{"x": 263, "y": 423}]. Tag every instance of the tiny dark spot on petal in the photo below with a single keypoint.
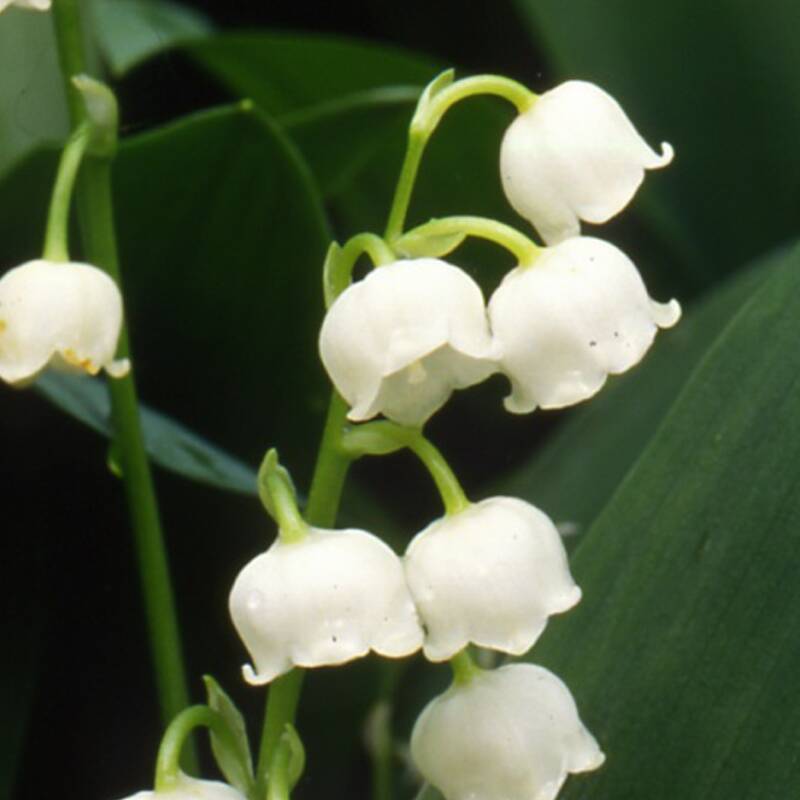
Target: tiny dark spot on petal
[
  {"x": 593, "y": 343},
  {"x": 334, "y": 639}
]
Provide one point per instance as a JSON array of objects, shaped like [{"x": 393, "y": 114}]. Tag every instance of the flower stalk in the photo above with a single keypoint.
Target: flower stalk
[{"x": 437, "y": 98}]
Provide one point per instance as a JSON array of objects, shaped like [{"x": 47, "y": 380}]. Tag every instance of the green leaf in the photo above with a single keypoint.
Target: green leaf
[
  {"x": 33, "y": 109},
  {"x": 169, "y": 444},
  {"x": 235, "y": 763},
  {"x": 574, "y": 474},
  {"x": 348, "y": 109},
  {"x": 683, "y": 653},
  {"x": 715, "y": 81},
  {"x": 129, "y": 31},
  {"x": 340, "y": 105}
]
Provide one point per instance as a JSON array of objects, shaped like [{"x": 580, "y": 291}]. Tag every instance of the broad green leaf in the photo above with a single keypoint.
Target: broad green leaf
[
  {"x": 308, "y": 74},
  {"x": 715, "y": 80},
  {"x": 129, "y": 31},
  {"x": 236, "y": 764},
  {"x": 575, "y": 473},
  {"x": 339, "y": 105},
  {"x": 33, "y": 110},
  {"x": 169, "y": 444},
  {"x": 683, "y": 654}
]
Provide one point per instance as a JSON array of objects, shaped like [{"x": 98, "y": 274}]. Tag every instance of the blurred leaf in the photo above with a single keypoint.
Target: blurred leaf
[
  {"x": 237, "y": 765},
  {"x": 222, "y": 238},
  {"x": 168, "y": 443},
  {"x": 715, "y": 80},
  {"x": 683, "y": 654},
  {"x": 33, "y": 109},
  {"x": 129, "y": 31},
  {"x": 574, "y": 474}
]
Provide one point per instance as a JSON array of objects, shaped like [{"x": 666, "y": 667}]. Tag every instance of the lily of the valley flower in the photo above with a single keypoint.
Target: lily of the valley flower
[
  {"x": 187, "y": 788},
  {"x": 574, "y": 156},
  {"x": 326, "y": 599},
  {"x": 35, "y": 5},
  {"x": 508, "y": 734},
  {"x": 489, "y": 575},
  {"x": 67, "y": 315},
  {"x": 579, "y": 313},
  {"x": 402, "y": 339}
]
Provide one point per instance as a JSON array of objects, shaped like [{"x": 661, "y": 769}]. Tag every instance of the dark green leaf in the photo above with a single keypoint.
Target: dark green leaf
[
  {"x": 575, "y": 473},
  {"x": 683, "y": 654},
  {"x": 715, "y": 80},
  {"x": 232, "y": 755},
  {"x": 340, "y": 105},
  {"x": 349, "y": 107},
  {"x": 130, "y": 31},
  {"x": 168, "y": 443}
]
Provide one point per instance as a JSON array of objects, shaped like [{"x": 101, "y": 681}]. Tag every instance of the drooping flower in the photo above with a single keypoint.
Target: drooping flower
[
  {"x": 579, "y": 313},
  {"x": 574, "y": 156},
  {"x": 187, "y": 788},
  {"x": 34, "y": 5},
  {"x": 329, "y": 598},
  {"x": 490, "y": 575},
  {"x": 507, "y": 734},
  {"x": 402, "y": 339},
  {"x": 66, "y": 315}
]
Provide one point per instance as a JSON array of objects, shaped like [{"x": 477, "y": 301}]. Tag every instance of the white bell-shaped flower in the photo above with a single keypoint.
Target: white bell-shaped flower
[
  {"x": 574, "y": 155},
  {"x": 579, "y": 313},
  {"x": 34, "y": 5},
  {"x": 402, "y": 339},
  {"x": 66, "y": 315},
  {"x": 187, "y": 788},
  {"x": 490, "y": 575},
  {"x": 329, "y": 598},
  {"x": 508, "y": 734}
]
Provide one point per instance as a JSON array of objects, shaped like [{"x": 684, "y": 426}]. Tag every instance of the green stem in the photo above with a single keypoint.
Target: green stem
[
  {"x": 415, "y": 149},
  {"x": 383, "y": 437},
  {"x": 524, "y": 250},
  {"x": 327, "y": 484},
  {"x": 340, "y": 261},
  {"x": 56, "y": 240},
  {"x": 371, "y": 244},
  {"x": 464, "y": 668},
  {"x": 430, "y": 110},
  {"x": 176, "y": 736},
  {"x": 453, "y": 496},
  {"x": 99, "y": 239}
]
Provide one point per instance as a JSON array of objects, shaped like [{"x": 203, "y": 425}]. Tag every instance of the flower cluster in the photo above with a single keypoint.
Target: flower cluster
[{"x": 397, "y": 343}]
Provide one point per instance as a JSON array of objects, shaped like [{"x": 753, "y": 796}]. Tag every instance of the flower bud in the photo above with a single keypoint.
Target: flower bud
[
  {"x": 508, "y": 734},
  {"x": 329, "y": 598},
  {"x": 186, "y": 788},
  {"x": 490, "y": 575},
  {"x": 579, "y": 313},
  {"x": 67, "y": 315},
  {"x": 402, "y": 339},
  {"x": 574, "y": 155}
]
